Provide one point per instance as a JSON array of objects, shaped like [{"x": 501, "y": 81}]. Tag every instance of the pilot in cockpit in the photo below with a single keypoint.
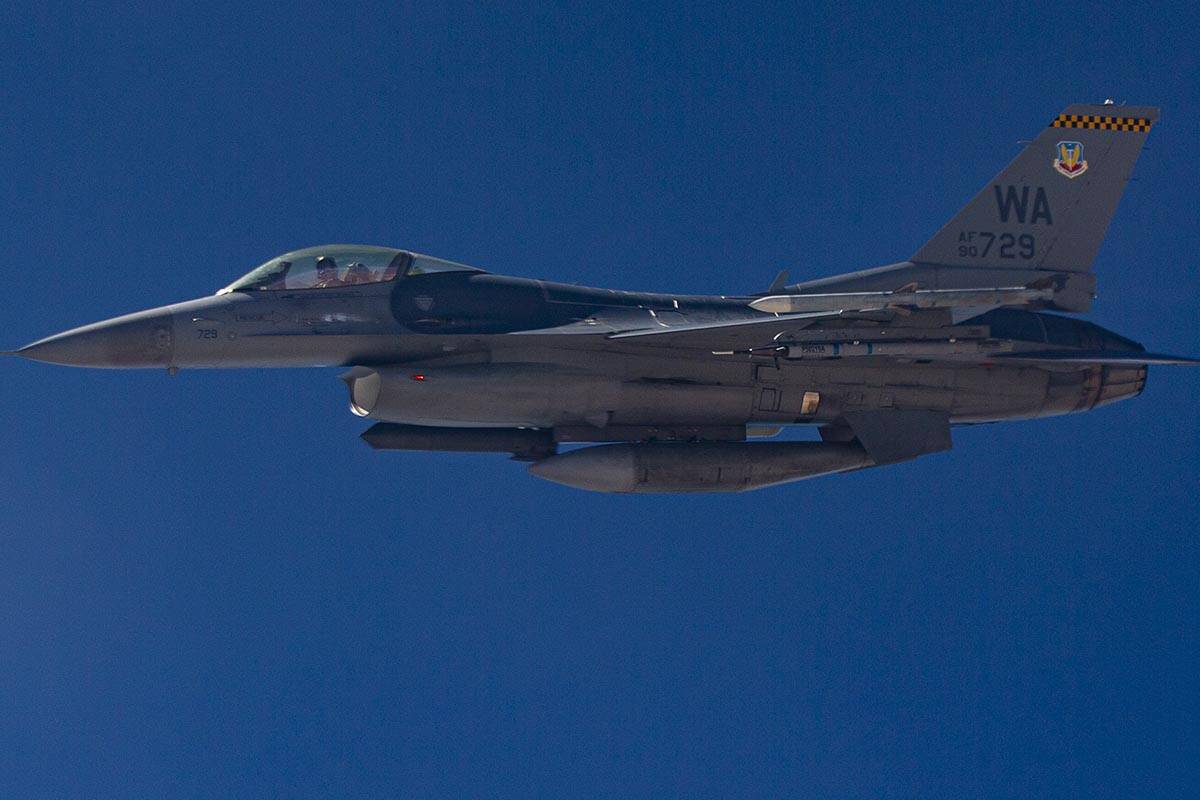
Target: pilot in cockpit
[
  {"x": 357, "y": 273},
  {"x": 327, "y": 273},
  {"x": 279, "y": 279}
]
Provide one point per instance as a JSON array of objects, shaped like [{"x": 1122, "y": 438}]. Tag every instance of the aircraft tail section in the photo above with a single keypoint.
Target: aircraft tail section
[
  {"x": 1049, "y": 209},
  {"x": 1039, "y": 222}
]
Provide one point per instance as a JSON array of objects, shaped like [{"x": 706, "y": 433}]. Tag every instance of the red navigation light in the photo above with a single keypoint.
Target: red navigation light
[{"x": 418, "y": 377}]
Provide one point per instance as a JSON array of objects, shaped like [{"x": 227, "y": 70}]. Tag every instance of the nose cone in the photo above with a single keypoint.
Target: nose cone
[{"x": 144, "y": 339}]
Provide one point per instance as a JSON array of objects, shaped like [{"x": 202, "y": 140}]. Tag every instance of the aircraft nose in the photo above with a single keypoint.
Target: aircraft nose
[{"x": 144, "y": 339}]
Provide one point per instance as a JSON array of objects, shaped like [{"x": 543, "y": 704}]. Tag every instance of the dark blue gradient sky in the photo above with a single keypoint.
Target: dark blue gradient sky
[{"x": 210, "y": 587}]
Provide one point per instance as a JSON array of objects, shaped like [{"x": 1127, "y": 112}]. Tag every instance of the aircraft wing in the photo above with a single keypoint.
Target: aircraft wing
[
  {"x": 735, "y": 331},
  {"x": 738, "y": 333},
  {"x": 792, "y": 312}
]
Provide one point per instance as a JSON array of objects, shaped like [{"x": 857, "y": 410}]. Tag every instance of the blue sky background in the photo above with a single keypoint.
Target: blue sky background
[{"x": 210, "y": 587}]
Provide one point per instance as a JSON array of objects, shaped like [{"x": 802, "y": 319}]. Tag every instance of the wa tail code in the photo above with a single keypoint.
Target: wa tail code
[{"x": 1011, "y": 203}]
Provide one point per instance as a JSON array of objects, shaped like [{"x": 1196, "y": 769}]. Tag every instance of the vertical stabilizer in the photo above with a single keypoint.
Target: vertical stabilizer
[{"x": 1049, "y": 209}]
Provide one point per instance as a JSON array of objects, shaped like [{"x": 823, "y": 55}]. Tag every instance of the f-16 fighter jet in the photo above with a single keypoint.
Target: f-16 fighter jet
[{"x": 668, "y": 388}]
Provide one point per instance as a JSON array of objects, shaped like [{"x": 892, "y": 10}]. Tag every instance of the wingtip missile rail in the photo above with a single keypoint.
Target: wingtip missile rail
[{"x": 918, "y": 298}]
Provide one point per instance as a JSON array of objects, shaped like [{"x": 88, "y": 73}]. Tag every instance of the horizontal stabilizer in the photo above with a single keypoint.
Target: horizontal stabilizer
[{"x": 1099, "y": 357}]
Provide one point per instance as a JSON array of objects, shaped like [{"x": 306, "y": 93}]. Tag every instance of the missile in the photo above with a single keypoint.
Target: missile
[
  {"x": 908, "y": 298},
  {"x": 698, "y": 466}
]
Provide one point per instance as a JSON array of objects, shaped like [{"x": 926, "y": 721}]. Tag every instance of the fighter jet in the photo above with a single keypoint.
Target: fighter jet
[{"x": 667, "y": 389}]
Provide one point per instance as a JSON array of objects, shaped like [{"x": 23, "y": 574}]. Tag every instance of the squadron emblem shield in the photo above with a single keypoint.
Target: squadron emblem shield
[{"x": 1070, "y": 159}]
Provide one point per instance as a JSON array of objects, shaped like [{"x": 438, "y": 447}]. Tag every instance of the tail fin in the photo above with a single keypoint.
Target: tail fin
[{"x": 1049, "y": 209}]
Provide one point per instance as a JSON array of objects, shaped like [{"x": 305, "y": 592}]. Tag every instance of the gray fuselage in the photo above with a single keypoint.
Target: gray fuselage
[{"x": 499, "y": 351}]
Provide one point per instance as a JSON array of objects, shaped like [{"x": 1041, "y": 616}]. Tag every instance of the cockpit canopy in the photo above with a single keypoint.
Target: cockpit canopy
[{"x": 337, "y": 265}]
